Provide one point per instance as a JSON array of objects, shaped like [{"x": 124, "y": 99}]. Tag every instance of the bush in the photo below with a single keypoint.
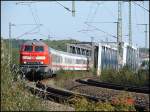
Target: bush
[
  {"x": 109, "y": 76},
  {"x": 14, "y": 97},
  {"x": 104, "y": 107},
  {"x": 66, "y": 75},
  {"x": 119, "y": 103},
  {"x": 143, "y": 78},
  {"x": 126, "y": 77},
  {"x": 123, "y": 102},
  {"x": 82, "y": 104}
]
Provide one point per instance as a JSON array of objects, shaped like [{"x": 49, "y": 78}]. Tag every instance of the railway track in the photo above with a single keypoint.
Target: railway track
[
  {"x": 59, "y": 95},
  {"x": 62, "y": 95},
  {"x": 91, "y": 82},
  {"x": 56, "y": 94}
]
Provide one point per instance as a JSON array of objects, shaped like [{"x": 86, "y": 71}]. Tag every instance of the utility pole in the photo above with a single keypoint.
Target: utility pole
[
  {"x": 119, "y": 34},
  {"x": 73, "y": 8},
  {"x": 10, "y": 42},
  {"x": 10, "y": 38},
  {"x": 92, "y": 55},
  {"x": 130, "y": 26},
  {"x": 145, "y": 33}
]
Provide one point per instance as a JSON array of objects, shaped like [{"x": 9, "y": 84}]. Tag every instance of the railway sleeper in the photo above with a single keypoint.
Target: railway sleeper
[
  {"x": 121, "y": 87},
  {"x": 113, "y": 86}
]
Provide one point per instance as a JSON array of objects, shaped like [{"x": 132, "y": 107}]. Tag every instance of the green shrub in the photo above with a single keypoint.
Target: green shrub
[
  {"x": 14, "y": 97},
  {"x": 143, "y": 77},
  {"x": 126, "y": 76},
  {"x": 123, "y": 102},
  {"x": 70, "y": 74},
  {"x": 109, "y": 76},
  {"x": 67, "y": 75},
  {"x": 82, "y": 104},
  {"x": 104, "y": 107}
]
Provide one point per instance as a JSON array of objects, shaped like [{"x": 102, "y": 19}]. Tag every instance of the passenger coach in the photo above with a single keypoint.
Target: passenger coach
[{"x": 36, "y": 56}]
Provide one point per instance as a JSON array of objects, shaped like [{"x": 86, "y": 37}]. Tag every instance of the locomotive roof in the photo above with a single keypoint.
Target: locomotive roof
[{"x": 35, "y": 42}]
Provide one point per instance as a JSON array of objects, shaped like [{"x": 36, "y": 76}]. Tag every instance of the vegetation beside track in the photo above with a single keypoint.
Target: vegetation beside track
[
  {"x": 121, "y": 102},
  {"x": 126, "y": 77},
  {"x": 14, "y": 96},
  {"x": 56, "y": 44},
  {"x": 63, "y": 76}
]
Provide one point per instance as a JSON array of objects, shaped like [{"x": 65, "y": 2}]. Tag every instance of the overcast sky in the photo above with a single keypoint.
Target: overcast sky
[{"x": 60, "y": 24}]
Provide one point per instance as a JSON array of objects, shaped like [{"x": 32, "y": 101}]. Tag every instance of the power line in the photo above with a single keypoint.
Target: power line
[
  {"x": 145, "y": 33},
  {"x": 95, "y": 11},
  {"x": 141, "y": 7},
  {"x": 89, "y": 12},
  {"x": 101, "y": 30},
  {"x": 136, "y": 18},
  {"x": 36, "y": 13},
  {"x": 29, "y": 32},
  {"x": 64, "y": 6},
  {"x": 35, "y": 16},
  {"x": 93, "y": 16},
  {"x": 100, "y": 22},
  {"x": 32, "y": 14}
]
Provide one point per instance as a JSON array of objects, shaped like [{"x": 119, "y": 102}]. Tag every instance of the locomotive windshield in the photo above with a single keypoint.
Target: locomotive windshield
[
  {"x": 39, "y": 48},
  {"x": 28, "y": 48}
]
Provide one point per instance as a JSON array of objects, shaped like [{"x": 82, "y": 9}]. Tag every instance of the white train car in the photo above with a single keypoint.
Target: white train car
[
  {"x": 107, "y": 57},
  {"x": 68, "y": 61},
  {"x": 130, "y": 56}
]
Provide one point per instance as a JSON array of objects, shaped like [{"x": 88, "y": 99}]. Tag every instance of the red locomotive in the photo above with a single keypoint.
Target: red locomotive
[{"x": 38, "y": 57}]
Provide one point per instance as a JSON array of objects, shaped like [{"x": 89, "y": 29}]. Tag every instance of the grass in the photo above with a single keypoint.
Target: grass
[
  {"x": 14, "y": 96},
  {"x": 118, "y": 104},
  {"x": 72, "y": 74},
  {"x": 126, "y": 77},
  {"x": 63, "y": 76}
]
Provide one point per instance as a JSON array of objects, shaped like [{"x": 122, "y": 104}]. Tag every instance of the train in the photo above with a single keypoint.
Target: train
[
  {"x": 107, "y": 57},
  {"x": 36, "y": 56}
]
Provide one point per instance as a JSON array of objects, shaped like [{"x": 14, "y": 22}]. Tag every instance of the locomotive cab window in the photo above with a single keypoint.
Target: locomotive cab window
[
  {"x": 39, "y": 48},
  {"x": 28, "y": 48}
]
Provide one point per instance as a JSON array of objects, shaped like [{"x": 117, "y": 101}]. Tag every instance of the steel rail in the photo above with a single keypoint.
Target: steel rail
[{"x": 115, "y": 86}]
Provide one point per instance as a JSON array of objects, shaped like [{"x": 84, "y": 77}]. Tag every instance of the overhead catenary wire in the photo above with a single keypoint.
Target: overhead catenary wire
[
  {"x": 110, "y": 12},
  {"x": 141, "y": 6},
  {"x": 101, "y": 30},
  {"x": 36, "y": 15},
  {"x": 89, "y": 12},
  {"x": 94, "y": 14},
  {"x": 29, "y": 32},
  {"x": 34, "y": 12},
  {"x": 64, "y": 6},
  {"x": 136, "y": 18}
]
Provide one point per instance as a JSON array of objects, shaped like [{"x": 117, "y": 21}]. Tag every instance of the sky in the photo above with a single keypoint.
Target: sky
[{"x": 58, "y": 23}]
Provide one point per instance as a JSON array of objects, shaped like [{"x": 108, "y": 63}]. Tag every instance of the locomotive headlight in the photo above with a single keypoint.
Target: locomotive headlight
[
  {"x": 26, "y": 57},
  {"x": 24, "y": 62},
  {"x": 40, "y": 57}
]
